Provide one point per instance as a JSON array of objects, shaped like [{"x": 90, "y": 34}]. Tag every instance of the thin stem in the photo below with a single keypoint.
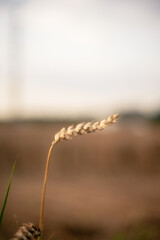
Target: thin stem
[
  {"x": 63, "y": 134},
  {"x": 44, "y": 186}
]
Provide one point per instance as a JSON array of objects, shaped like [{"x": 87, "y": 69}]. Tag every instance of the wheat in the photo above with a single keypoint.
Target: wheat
[
  {"x": 83, "y": 128},
  {"x": 28, "y": 231},
  {"x": 66, "y": 134}
]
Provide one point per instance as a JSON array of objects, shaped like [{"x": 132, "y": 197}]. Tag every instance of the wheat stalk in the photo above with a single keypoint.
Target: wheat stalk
[{"x": 66, "y": 134}]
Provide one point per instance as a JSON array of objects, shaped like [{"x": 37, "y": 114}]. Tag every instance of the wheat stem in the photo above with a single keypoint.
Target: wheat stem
[
  {"x": 44, "y": 187},
  {"x": 66, "y": 134}
]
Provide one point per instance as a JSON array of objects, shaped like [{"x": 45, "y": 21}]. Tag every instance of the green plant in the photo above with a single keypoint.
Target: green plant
[{"x": 6, "y": 195}]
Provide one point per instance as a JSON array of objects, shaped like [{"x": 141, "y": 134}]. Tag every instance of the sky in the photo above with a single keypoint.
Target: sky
[{"x": 67, "y": 58}]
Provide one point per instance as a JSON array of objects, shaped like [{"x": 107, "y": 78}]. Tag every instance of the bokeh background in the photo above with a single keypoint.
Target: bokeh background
[{"x": 66, "y": 61}]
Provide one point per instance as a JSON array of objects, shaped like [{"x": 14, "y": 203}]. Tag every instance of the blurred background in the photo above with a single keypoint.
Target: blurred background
[{"x": 62, "y": 62}]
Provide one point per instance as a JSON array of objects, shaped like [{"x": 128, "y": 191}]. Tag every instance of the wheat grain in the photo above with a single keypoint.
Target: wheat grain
[
  {"x": 28, "y": 231},
  {"x": 83, "y": 128}
]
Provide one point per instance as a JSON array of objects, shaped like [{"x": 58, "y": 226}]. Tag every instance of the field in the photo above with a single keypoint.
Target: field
[{"x": 104, "y": 185}]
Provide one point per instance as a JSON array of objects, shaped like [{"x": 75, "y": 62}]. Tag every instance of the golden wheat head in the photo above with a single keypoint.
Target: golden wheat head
[
  {"x": 28, "y": 231},
  {"x": 83, "y": 128}
]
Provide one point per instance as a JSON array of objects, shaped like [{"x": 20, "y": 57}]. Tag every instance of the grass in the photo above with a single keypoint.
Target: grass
[{"x": 6, "y": 195}]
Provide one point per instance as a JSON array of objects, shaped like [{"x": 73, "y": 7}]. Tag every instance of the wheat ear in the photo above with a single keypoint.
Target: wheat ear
[
  {"x": 66, "y": 134},
  {"x": 28, "y": 231}
]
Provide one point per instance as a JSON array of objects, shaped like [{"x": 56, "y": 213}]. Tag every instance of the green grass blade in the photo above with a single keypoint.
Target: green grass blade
[{"x": 6, "y": 196}]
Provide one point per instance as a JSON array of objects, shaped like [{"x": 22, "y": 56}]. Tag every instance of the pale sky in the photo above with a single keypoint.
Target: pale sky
[{"x": 68, "y": 58}]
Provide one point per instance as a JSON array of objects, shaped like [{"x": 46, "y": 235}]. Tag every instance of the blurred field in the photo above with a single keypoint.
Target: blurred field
[{"x": 100, "y": 186}]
